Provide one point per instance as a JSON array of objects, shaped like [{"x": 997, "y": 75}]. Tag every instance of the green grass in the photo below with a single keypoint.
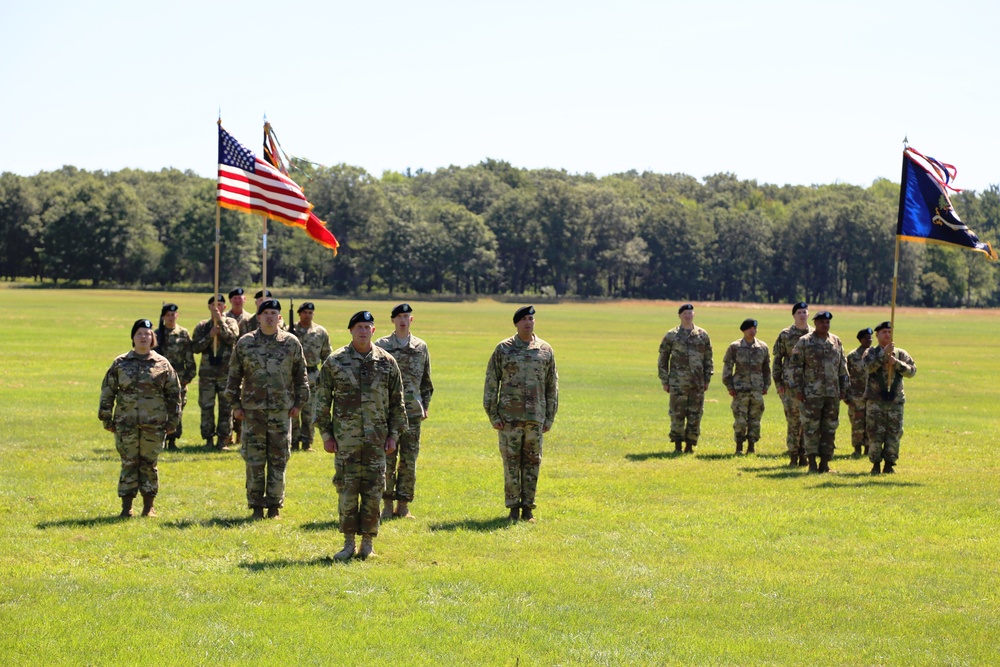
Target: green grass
[{"x": 638, "y": 558}]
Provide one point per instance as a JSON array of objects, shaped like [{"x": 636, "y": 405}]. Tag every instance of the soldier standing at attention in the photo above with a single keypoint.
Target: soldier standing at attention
[
  {"x": 268, "y": 387},
  {"x": 746, "y": 372},
  {"x": 779, "y": 371},
  {"x": 414, "y": 363},
  {"x": 360, "y": 416},
  {"x": 685, "y": 369},
  {"x": 521, "y": 397},
  {"x": 214, "y": 371},
  {"x": 884, "y": 401},
  {"x": 174, "y": 342},
  {"x": 316, "y": 348},
  {"x": 818, "y": 372},
  {"x": 237, "y": 297},
  {"x": 140, "y": 404},
  {"x": 859, "y": 381}
]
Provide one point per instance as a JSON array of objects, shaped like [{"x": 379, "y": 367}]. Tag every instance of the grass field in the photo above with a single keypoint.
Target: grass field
[{"x": 639, "y": 557}]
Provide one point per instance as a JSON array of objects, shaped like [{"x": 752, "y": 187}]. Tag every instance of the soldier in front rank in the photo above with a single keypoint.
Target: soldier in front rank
[
  {"x": 268, "y": 387},
  {"x": 214, "y": 339},
  {"x": 258, "y": 298},
  {"x": 360, "y": 414},
  {"x": 316, "y": 348},
  {"x": 746, "y": 372},
  {"x": 884, "y": 400},
  {"x": 859, "y": 381},
  {"x": 521, "y": 397},
  {"x": 237, "y": 297},
  {"x": 685, "y": 369},
  {"x": 818, "y": 376},
  {"x": 414, "y": 363},
  {"x": 781, "y": 352},
  {"x": 140, "y": 404},
  {"x": 174, "y": 342}
]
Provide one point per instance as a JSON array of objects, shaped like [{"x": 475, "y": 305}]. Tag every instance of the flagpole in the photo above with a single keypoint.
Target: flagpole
[
  {"x": 263, "y": 250},
  {"x": 218, "y": 236}
]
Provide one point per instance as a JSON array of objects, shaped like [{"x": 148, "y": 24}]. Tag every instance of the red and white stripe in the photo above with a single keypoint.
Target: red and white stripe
[{"x": 265, "y": 192}]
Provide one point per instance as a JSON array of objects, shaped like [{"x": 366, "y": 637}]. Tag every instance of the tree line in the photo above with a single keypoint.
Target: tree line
[{"x": 493, "y": 229}]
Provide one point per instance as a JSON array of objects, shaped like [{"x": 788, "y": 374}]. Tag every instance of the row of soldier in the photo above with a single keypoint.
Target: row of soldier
[{"x": 812, "y": 374}]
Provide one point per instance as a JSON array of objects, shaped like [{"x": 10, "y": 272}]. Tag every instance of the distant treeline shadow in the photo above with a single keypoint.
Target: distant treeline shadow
[{"x": 479, "y": 525}]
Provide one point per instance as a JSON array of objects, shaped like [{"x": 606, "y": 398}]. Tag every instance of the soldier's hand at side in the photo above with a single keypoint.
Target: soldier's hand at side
[
  {"x": 764, "y": 393},
  {"x": 546, "y": 429},
  {"x": 390, "y": 445},
  {"x": 498, "y": 426},
  {"x": 170, "y": 430},
  {"x": 781, "y": 391},
  {"x": 425, "y": 413},
  {"x": 732, "y": 393},
  {"x": 239, "y": 414},
  {"x": 294, "y": 412},
  {"x": 666, "y": 388},
  {"x": 800, "y": 397},
  {"x": 330, "y": 446},
  {"x": 109, "y": 427}
]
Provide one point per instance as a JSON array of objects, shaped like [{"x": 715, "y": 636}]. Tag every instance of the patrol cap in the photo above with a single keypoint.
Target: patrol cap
[
  {"x": 883, "y": 325},
  {"x": 237, "y": 291},
  {"x": 272, "y": 304},
  {"x": 867, "y": 331},
  {"x": 823, "y": 315},
  {"x": 168, "y": 308},
  {"x": 262, "y": 293},
  {"x": 523, "y": 312},
  {"x": 360, "y": 316},
  {"x": 140, "y": 324},
  {"x": 686, "y": 306},
  {"x": 217, "y": 297},
  {"x": 400, "y": 309},
  {"x": 308, "y": 305},
  {"x": 747, "y": 323},
  {"x": 801, "y": 305}
]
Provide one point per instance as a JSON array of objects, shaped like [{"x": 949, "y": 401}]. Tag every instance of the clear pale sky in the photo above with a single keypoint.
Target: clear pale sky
[{"x": 781, "y": 92}]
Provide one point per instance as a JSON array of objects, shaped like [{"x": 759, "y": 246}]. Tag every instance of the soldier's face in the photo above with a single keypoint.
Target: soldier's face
[
  {"x": 237, "y": 300},
  {"x": 866, "y": 341},
  {"x": 402, "y": 320},
  {"x": 687, "y": 316},
  {"x": 801, "y": 317},
  {"x": 170, "y": 319},
  {"x": 306, "y": 316},
  {"x": 822, "y": 326},
  {"x": 750, "y": 333},
  {"x": 526, "y": 326},
  {"x": 361, "y": 333},
  {"x": 269, "y": 319},
  {"x": 218, "y": 306},
  {"x": 884, "y": 336},
  {"x": 142, "y": 341}
]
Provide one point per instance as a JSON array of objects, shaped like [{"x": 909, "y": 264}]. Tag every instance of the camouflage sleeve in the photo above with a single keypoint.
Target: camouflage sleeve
[
  {"x": 200, "y": 340},
  {"x": 872, "y": 360},
  {"x": 709, "y": 362},
  {"x": 663, "y": 363},
  {"x": 765, "y": 368},
  {"x": 905, "y": 365},
  {"x": 325, "y": 350},
  {"x": 187, "y": 374},
  {"x": 777, "y": 370},
  {"x": 795, "y": 367},
  {"x": 844, "y": 376},
  {"x": 324, "y": 402},
  {"x": 491, "y": 388},
  {"x": 172, "y": 397},
  {"x": 235, "y": 381},
  {"x": 728, "y": 361},
  {"x": 397, "y": 404},
  {"x": 426, "y": 386},
  {"x": 300, "y": 376},
  {"x": 551, "y": 392},
  {"x": 229, "y": 331},
  {"x": 109, "y": 390}
]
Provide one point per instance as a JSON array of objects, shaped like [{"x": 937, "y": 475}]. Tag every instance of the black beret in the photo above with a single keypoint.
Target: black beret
[
  {"x": 686, "y": 306},
  {"x": 801, "y": 305},
  {"x": 360, "y": 316},
  {"x": 864, "y": 332},
  {"x": 401, "y": 308},
  {"x": 268, "y": 304},
  {"x": 747, "y": 323},
  {"x": 883, "y": 325},
  {"x": 523, "y": 312},
  {"x": 217, "y": 297},
  {"x": 262, "y": 293},
  {"x": 168, "y": 308},
  {"x": 823, "y": 315},
  {"x": 236, "y": 292},
  {"x": 308, "y": 305},
  {"x": 140, "y": 324}
]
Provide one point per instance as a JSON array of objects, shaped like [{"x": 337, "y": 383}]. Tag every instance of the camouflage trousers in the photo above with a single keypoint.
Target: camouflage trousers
[
  {"x": 400, "y": 480},
  {"x": 747, "y": 407},
  {"x": 884, "y": 422},
  {"x": 820, "y": 418},
  {"x": 302, "y": 426},
  {"x": 139, "y": 449},
  {"x": 359, "y": 476},
  {"x": 793, "y": 437},
  {"x": 521, "y": 451},
  {"x": 856, "y": 410},
  {"x": 686, "y": 408},
  {"x": 265, "y": 447},
  {"x": 212, "y": 388}
]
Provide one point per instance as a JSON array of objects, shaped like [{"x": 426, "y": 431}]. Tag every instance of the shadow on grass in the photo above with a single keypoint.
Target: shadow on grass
[
  {"x": 645, "y": 456},
  {"x": 479, "y": 525},
  {"x": 82, "y": 523},
  {"x": 215, "y": 522},
  {"x": 859, "y": 480},
  {"x": 325, "y": 561},
  {"x": 321, "y": 526}
]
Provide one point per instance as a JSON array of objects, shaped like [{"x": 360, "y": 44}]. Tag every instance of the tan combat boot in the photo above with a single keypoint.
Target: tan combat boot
[
  {"x": 347, "y": 553},
  {"x": 367, "y": 548},
  {"x": 126, "y": 507},
  {"x": 147, "y": 506},
  {"x": 386, "y": 510},
  {"x": 403, "y": 510}
]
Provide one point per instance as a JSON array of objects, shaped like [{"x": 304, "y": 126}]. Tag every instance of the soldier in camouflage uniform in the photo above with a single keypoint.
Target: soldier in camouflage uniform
[
  {"x": 214, "y": 371},
  {"x": 414, "y": 363},
  {"x": 859, "y": 381},
  {"x": 685, "y": 369},
  {"x": 781, "y": 352},
  {"x": 360, "y": 414},
  {"x": 884, "y": 401},
  {"x": 268, "y": 387},
  {"x": 818, "y": 376},
  {"x": 746, "y": 372},
  {"x": 174, "y": 342},
  {"x": 316, "y": 347},
  {"x": 140, "y": 404},
  {"x": 521, "y": 397}
]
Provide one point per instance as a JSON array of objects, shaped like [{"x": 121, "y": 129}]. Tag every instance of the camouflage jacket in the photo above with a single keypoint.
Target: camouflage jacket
[
  {"x": 315, "y": 345},
  {"x": 242, "y": 321},
  {"x": 415, "y": 366},
  {"x": 817, "y": 368},
  {"x": 175, "y": 345},
  {"x": 271, "y": 370},
  {"x": 201, "y": 343},
  {"x": 859, "y": 374},
  {"x": 782, "y": 351},
  {"x": 747, "y": 366},
  {"x": 360, "y": 399},
  {"x": 522, "y": 383},
  {"x": 878, "y": 389},
  {"x": 685, "y": 358},
  {"x": 140, "y": 392}
]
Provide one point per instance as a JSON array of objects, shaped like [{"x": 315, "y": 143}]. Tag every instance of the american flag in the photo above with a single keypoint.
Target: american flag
[{"x": 247, "y": 183}]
